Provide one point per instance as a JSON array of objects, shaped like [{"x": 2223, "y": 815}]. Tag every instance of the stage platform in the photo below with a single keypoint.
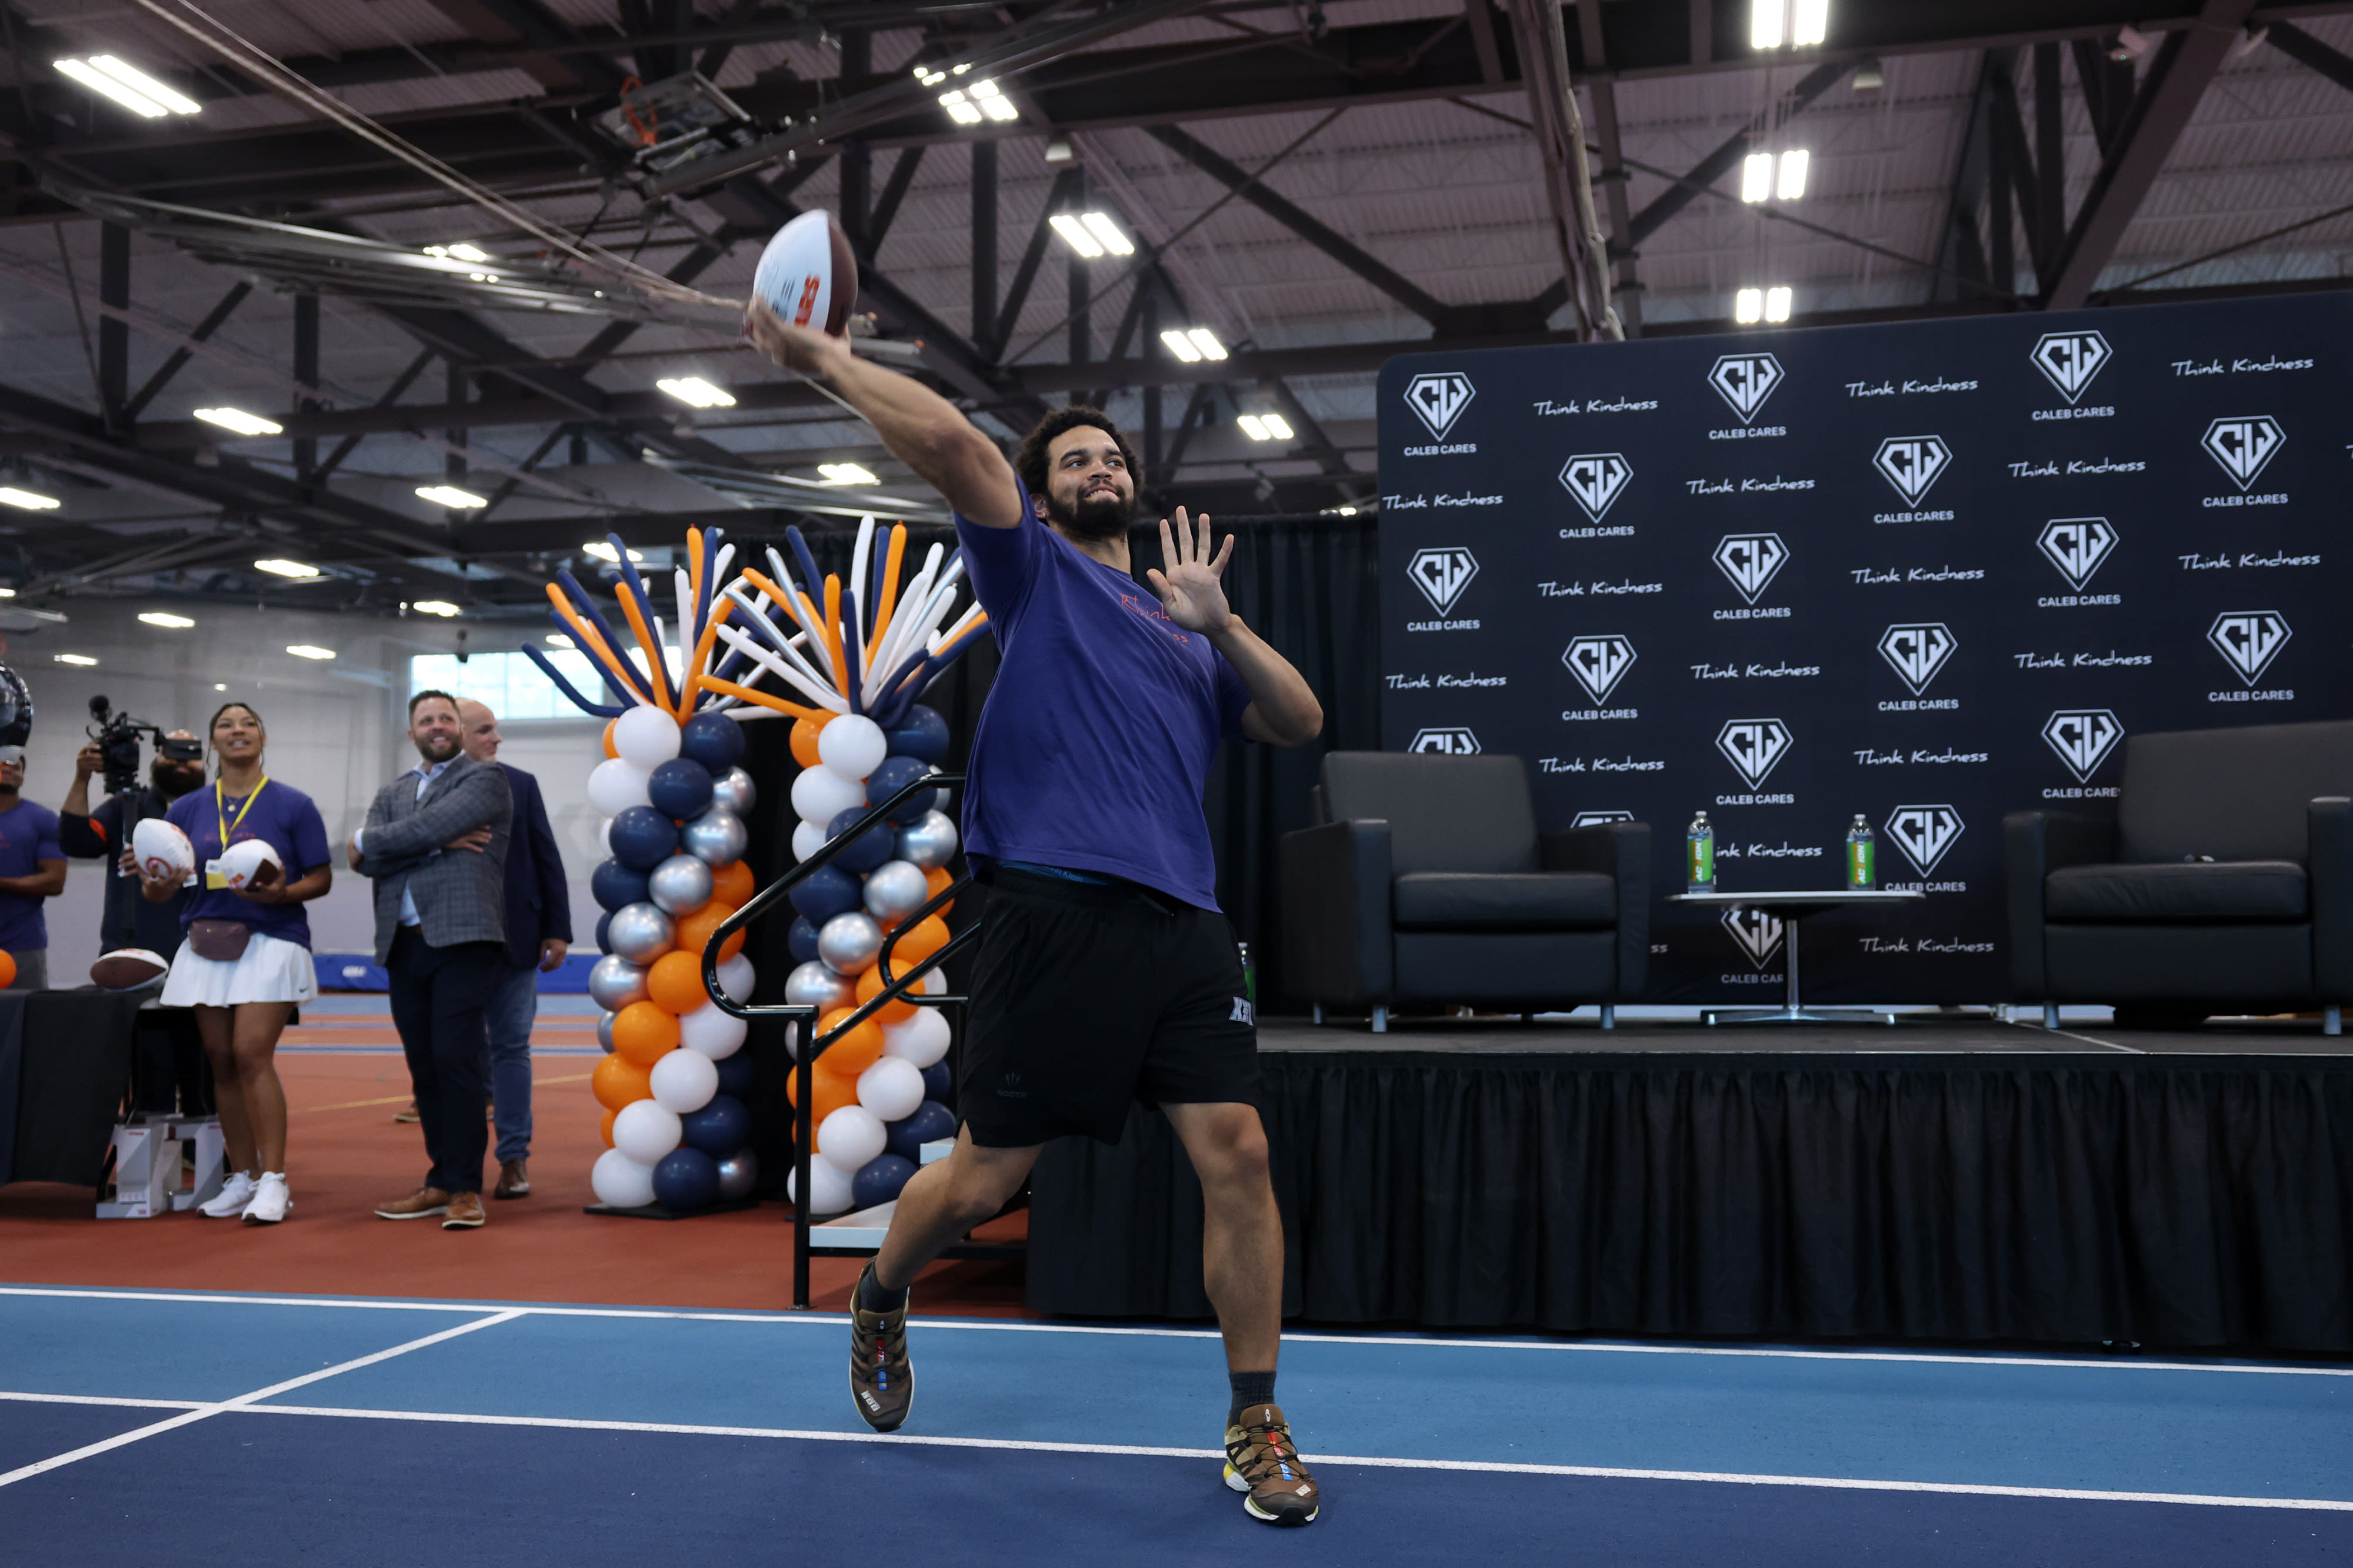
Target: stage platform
[{"x": 1973, "y": 1029}]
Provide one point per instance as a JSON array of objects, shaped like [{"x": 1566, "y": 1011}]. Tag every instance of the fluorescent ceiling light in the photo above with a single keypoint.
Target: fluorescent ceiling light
[
  {"x": 1809, "y": 21},
  {"x": 1764, "y": 18},
  {"x": 1756, "y": 176},
  {"x": 308, "y": 650},
  {"x": 1180, "y": 343},
  {"x": 993, "y": 103},
  {"x": 693, "y": 389},
  {"x": 434, "y": 607},
  {"x": 239, "y": 420},
  {"x": 1259, "y": 427},
  {"x": 1103, "y": 229},
  {"x": 7, "y": 593},
  {"x": 27, "y": 498},
  {"x": 461, "y": 251},
  {"x": 1776, "y": 304},
  {"x": 81, "y": 658},
  {"x": 847, "y": 474},
  {"x": 287, "y": 568},
  {"x": 961, "y": 110},
  {"x": 134, "y": 89},
  {"x": 1791, "y": 184},
  {"x": 1207, "y": 341},
  {"x": 1748, "y": 306},
  {"x": 1772, "y": 23},
  {"x": 165, "y": 618},
  {"x": 604, "y": 551},
  {"x": 451, "y": 496},
  {"x": 1276, "y": 425},
  {"x": 1074, "y": 234}
]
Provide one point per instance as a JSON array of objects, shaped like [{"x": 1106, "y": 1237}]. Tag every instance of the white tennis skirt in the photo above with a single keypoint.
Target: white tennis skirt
[{"x": 271, "y": 969}]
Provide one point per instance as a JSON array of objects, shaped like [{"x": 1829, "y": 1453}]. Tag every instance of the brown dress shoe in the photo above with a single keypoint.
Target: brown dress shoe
[
  {"x": 419, "y": 1204},
  {"x": 465, "y": 1212},
  {"x": 514, "y": 1180}
]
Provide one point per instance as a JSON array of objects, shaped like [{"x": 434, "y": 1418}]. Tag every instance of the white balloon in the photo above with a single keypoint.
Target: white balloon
[
  {"x": 828, "y": 1187},
  {"x": 645, "y": 1131},
  {"x": 684, "y": 1081},
  {"x": 820, "y": 795},
  {"x": 615, "y": 786},
  {"x": 735, "y": 978},
  {"x": 850, "y": 1137},
  {"x": 852, "y": 745},
  {"x": 645, "y": 738},
  {"x": 920, "y": 1041},
  {"x": 892, "y": 1088},
  {"x": 623, "y": 1183},
  {"x": 605, "y": 834},
  {"x": 807, "y": 839},
  {"x": 715, "y": 1034}
]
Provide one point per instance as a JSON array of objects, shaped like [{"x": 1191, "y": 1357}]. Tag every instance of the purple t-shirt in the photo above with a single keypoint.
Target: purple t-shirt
[
  {"x": 28, "y": 835},
  {"x": 1097, "y": 737},
  {"x": 285, "y": 819}
]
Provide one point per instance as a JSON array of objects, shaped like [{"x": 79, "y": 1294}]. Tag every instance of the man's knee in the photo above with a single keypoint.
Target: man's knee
[{"x": 1230, "y": 1151}]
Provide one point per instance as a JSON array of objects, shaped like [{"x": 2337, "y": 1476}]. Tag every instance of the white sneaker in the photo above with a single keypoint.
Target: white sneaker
[
  {"x": 235, "y": 1193},
  {"x": 270, "y": 1200}
]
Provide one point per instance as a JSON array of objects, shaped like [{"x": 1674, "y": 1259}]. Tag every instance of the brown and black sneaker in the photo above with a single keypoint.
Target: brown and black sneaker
[
  {"x": 1262, "y": 1464},
  {"x": 881, "y": 1383}
]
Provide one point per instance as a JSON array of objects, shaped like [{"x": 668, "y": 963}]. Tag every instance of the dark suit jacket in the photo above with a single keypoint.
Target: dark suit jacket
[{"x": 539, "y": 905}]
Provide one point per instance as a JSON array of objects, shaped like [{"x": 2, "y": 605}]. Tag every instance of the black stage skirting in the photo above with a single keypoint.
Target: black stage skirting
[
  {"x": 2176, "y": 1200},
  {"x": 65, "y": 1057}
]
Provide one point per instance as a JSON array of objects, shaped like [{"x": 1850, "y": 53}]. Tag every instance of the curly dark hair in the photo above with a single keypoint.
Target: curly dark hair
[{"x": 1030, "y": 462}]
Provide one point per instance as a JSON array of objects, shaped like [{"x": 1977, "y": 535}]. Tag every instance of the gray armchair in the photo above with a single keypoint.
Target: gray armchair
[
  {"x": 1426, "y": 881},
  {"x": 2224, "y": 884}
]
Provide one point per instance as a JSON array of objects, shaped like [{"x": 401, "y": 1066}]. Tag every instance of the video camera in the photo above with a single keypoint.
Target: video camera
[{"x": 117, "y": 735}]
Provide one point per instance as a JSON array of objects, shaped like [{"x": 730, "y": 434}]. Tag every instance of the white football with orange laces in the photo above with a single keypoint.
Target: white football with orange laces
[
  {"x": 809, "y": 274},
  {"x": 243, "y": 861},
  {"x": 161, "y": 849}
]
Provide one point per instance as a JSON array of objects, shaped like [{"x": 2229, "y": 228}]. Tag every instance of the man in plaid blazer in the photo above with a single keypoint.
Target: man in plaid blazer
[{"x": 436, "y": 845}]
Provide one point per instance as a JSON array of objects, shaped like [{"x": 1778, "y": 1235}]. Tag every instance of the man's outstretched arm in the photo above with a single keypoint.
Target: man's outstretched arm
[{"x": 922, "y": 430}]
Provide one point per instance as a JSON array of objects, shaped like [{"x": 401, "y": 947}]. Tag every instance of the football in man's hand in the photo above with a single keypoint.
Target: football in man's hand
[
  {"x": 126, "y": 969},
  {"x": 809, "y": 274},
  {"x": 161, "y": 849}
]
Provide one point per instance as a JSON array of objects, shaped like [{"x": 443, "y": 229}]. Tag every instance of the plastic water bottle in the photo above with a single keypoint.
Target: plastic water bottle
[
  {"x": 1699, "y": 856},
  {"x": 1861, "y": 857},
  {"x": 1250, "y": 974}
]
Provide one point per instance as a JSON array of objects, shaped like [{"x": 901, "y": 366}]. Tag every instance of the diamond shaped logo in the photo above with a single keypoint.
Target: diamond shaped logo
[
  {"x": 2070, "y": 359},
  {"x": 1754, "y": 746},
  {"x": 1596, "y": 818},
  {"x": 1745, "y": 381},
  {"x": 2082, "y": 737},
  {"x": 1442, "y": 574},
  {"x": 2242, "y": 444},
  {"x": 1924, "y": 833},
  {"x": 1918, "y": 652},
  {"x": 1911, "y": 463},
  {"x": 1751, "y": 561},
  {"x": 1754, "y": 932},
  {"x": 2249, "y": 640},
  {"x": 1445, "y": 742},
  {"x": 2077, "y": 545},
  {"x": 1599, "y": 663},
  {"x": 1440, "y": 398},
  {"x": 1596, "y": 479}
]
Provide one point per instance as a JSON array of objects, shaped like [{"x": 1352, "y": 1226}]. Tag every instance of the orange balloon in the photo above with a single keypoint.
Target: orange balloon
[
  {"x": 869, "y": 986},
  {"x": 855, "y": 1051},
  {"x": 937, "y": 880},
  {"x": 919, "y": 941},
  {"x": 645, "y": 1031},
  {"x": 805, "y": 740},
  {"x": 618, "y": 1081},
  {"x": 7, "y": 971},
  {"x": 610, "y": 750},
  {"x": 607, "y": 1128},
  {"x": 675, "y": 984},
  {"x": 732, "y": 885},
  {"x": 833, "y": 1090},
  {"x": 694, "y": 935}
]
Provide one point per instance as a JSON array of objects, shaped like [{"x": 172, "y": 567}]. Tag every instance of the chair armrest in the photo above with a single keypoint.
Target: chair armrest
[
  {"x": 2035, "y": 844},
  {"x": 1337, "y": 949},
  {"x": 1622, "y": 850},
  {"x": 2329, "y": 863}
]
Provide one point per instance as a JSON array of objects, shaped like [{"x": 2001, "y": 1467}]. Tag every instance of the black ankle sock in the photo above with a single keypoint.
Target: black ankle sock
[
  {"x": 873, "y": 1297},
  {"x": 1249, "y": 1388}
]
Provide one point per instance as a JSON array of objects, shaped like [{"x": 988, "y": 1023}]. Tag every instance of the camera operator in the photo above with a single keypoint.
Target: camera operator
[
  {"x": 128, "y": 920},
  {"x": 32, "y": 868}
]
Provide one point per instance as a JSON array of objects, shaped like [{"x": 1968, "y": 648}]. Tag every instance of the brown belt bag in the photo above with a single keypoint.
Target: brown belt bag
[{"x": 223, "y": 941}]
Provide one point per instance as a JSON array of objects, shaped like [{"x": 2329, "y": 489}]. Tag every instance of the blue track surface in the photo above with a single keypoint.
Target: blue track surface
[{"x": 1744, "y": 1457}]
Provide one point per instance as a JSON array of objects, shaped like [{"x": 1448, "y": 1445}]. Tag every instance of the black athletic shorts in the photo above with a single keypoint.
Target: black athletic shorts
[{"x": 1086, "y": 997}]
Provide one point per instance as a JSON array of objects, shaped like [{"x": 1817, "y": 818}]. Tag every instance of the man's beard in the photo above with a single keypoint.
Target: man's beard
[
  {"x": 439, "y": 750},
  {"x": 173, "y": 779},
  {"x": 1096, "y": 518}
]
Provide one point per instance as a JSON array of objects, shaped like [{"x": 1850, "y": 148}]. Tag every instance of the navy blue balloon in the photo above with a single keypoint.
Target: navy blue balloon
[
  {"x": 922, "y": 734},
  {"x": 802, "y": 940},
  {"x": 866, "y": 851},
  {"x": 605, "y": 932},
  {"x": 643, "y": 837},
  {"x": 906, "y": 1137},
  {"x": 936, "y": 1082},
  {"x": 719, "y": 1128},
  {"x": 878, "y": 1181},
  {"x": 736, "y": 1075},
  {"x": 613, "y": 885},
  {"x": 686, "y": 1179},
  {"x": 896, "y": 775},
  {"x": 715, "y": 740},
  {"x": 824, "y": 893},
  {"x": 679, "y": 787}
]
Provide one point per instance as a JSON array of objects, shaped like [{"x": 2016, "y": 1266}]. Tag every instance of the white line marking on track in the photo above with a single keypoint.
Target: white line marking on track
[{"x": 102, "y": 1399}]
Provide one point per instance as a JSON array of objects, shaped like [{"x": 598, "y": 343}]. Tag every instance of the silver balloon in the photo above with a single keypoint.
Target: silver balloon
[
  {"x": 680, "y": 884},
  {"x": 615, "y": 983},
  {"x": 640, "y": 932},
  {"x": 717, "y": 837},
  {"x": 605, "y": 1033},
  {"x": 894, "y": 890},
  {"x": 929, "y": 840},
  {"x": 738, "y": 1173},
  {"x": 814, "y": 986},
  {"x": 849, "y": 942},
  {"x": 734, "y": 791}
]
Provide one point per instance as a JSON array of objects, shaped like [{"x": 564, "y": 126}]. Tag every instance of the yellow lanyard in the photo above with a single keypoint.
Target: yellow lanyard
[{"x": 229, "y": 824}]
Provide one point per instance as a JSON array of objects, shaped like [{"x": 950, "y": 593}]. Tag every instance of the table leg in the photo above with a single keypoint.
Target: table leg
[
  {"x": 1792, "y": 1010},
  {"x": 1789, "y": 965}
]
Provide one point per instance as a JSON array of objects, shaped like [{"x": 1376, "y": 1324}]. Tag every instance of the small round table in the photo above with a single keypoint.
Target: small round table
[{"x": 1789, "y": 908}]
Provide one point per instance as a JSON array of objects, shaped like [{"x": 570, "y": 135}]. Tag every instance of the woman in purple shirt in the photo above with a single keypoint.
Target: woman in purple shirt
[{"x": 247, "y": 962}]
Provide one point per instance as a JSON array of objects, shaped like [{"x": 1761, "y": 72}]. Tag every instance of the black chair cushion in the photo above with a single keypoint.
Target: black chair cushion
[
  {"x": 1563, "y": 900},
  {"x": 2235, "y": 795},
  {"x": 2222, "y": 890},
  {"x": 1445, "y": 813}
]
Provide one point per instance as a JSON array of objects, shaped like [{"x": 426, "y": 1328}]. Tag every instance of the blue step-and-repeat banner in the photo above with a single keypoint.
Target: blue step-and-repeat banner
[{"x": 1926, "y": 573}]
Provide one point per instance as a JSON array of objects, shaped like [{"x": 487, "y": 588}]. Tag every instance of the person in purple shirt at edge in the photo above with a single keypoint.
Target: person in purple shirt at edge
[
  {"x": 1105, "y": 973},
  {"x": 32, "y": 868},
  {"x": 245, "y": 962}
]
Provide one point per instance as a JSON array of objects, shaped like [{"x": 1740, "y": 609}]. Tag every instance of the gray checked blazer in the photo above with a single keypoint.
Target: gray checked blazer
[{"x": 461, "y": 893}]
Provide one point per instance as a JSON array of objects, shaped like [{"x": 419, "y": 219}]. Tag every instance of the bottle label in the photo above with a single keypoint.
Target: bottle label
[
  {"x": 1703, "y": 861},
  {"x": 1859, "y": 868}
]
